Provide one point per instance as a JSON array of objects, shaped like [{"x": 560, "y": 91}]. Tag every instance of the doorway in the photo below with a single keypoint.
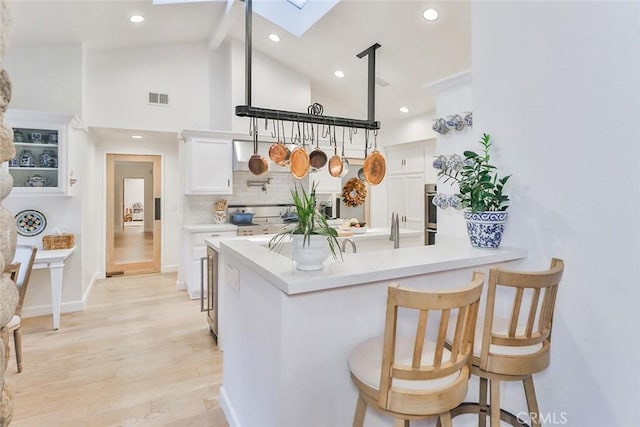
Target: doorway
[{"x": 133, "y": 214}]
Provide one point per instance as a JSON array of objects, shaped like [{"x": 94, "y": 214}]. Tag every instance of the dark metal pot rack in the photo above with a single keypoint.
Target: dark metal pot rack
[{"x": 265, "y": 113}]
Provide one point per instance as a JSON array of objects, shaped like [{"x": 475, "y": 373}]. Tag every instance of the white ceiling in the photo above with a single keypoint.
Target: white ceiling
[{"x": 414, "y": 52}]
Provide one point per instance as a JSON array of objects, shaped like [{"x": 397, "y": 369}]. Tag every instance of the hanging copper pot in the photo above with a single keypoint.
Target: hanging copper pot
[
  {"x": 257, "y": 164},
  {"x": 335, "y": 162},
  {"x": 299, "y": 162},
  {"x": 375, "y": 166},
  {"x": 317, "y": 157},
  {"x": 278, "y": 152}
]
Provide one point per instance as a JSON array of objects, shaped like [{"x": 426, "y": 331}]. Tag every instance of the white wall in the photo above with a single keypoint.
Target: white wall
[
  {"x": 165, "y": 145},
  {"x": 118, "y": 81},
  {"x": 220, "y": 87},
  {"x": 411, "y": 129},
  {"x": 274, "y": 85},
  {"x": 557, "y": 85},
  {"x": 454, "y": 96},
  {"x": 46, "y": 78}
]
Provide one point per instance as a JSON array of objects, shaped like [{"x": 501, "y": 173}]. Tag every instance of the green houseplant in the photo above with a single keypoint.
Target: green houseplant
[
  {"x": 480, "y": 193},
  {"x": 312, "y": 238}
]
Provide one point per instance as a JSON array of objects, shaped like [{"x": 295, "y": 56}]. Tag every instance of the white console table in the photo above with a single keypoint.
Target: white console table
[{"x": 54, "y": 261}]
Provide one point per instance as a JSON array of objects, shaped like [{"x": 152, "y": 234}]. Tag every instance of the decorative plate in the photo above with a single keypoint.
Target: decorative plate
[{"x": 30, "y": 223}]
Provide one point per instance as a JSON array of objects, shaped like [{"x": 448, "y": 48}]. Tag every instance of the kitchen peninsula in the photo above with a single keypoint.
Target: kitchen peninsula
[{"x": 286, "y": 334}]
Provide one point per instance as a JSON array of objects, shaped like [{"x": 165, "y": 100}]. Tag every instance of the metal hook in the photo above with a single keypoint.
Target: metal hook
[
  {"x": 273, "y": 132},
  {"x": 283, "y": 132}
]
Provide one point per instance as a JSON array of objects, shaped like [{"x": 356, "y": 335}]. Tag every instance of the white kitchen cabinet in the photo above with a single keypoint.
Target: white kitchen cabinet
[
  {"x": 406, "y": 197},
  {"x": 405, "y": 158},
  {"x": 207, "y": 164},
  {"x": 195, "y": 248},
  {"x": 42, "y": 162}
]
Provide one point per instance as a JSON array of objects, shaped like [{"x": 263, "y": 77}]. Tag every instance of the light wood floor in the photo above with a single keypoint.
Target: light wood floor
[
  {"x": 132, "y": 244},
  {"x": 140, "y": 354}
]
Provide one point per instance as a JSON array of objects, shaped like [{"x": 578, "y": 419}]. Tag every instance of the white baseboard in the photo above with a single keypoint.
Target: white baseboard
[
  {"x": 181, "y": 284},
  {"x": 85, "y": 296},
  {"x": 44, "y": 310},
  {"x": 227, "y": 408},
  {"x": 193, "y": 293},
  {"x": 170, "y": 268}
]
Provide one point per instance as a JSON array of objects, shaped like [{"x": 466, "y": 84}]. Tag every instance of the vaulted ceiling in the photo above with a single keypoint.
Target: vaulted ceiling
[{"x": 414, "y": 51}]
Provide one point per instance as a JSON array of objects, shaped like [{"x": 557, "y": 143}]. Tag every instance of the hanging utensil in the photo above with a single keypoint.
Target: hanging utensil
[
  {"x": 345, "y": 162},
  {"x": 317, "y": 157},
  {"x": 278, "y": 152},
  {"x": 299, "y": 159},
  {"x": 375, "y": 166},
  {"x": 257, "y": 164},
  {"x": 335, "y": 162}
]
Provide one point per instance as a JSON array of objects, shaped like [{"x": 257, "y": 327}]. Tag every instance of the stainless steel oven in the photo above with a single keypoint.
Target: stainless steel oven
[{"x": 430, "y": 214}]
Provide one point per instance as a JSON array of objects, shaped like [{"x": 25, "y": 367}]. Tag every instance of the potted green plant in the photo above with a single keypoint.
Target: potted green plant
[
  {"x": 312, "y": 238},
  {"x": 480, "y": 193}
]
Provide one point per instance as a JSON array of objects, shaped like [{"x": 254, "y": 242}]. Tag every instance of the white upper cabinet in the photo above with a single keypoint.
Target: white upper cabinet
[
  {"x": 41, "y": 165},
  {"x": 405, "y": 158},
  {"x": 207, "y": 163}
]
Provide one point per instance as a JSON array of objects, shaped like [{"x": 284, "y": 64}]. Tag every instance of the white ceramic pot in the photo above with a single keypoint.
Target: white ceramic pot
[{"x": 311, "y": 255}]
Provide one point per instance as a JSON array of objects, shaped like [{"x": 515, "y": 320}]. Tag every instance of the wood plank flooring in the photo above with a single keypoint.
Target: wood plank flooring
[{"x": 140, "y": 354}]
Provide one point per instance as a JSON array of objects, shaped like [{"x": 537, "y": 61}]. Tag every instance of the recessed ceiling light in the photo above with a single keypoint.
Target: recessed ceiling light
[
  {"x": 136, "y": 136},
  {"x": 136, "y": 19},
  {"x": 404, "y": 110},
  {"x": 430, "y": 14},
  {"x": 339, "y": 74},
  {"x": 274, "y": 37}
]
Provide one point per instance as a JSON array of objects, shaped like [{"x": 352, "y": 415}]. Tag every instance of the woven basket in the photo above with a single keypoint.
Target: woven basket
[{"x": 64, "y": 241}]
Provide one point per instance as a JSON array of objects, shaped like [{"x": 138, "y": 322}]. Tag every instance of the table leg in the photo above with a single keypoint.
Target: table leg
[{"x": 55, "y": 269}]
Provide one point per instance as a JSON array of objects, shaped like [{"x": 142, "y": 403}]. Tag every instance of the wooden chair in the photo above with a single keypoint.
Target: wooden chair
[
  {"x": 24, "y": 258},
  {"x": 414, "y": 377},
  {"x": 514, "y": 348}
]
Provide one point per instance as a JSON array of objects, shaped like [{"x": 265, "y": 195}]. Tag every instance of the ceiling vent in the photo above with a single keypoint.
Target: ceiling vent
[
  {"x": 381, "y": 82},
  {"x": 156, "y": 98}
]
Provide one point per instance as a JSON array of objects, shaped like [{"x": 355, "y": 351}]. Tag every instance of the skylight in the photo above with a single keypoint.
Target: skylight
[{"x": 290, "y": 14}]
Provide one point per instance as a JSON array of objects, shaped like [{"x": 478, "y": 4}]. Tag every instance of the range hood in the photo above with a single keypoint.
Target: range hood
[{"x": 243, "y": 150}]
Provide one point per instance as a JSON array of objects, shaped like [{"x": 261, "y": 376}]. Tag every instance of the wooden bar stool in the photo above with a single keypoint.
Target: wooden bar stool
[
  {"x": 514, "y": 348},
  {"x": 413, "y": 376}
]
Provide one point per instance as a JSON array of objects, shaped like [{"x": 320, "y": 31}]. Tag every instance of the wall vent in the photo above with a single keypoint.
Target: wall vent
[{"x": 156, "y": 98}]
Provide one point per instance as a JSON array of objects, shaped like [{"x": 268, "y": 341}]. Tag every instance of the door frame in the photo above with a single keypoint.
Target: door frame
[{"x": 143, "y": 267}]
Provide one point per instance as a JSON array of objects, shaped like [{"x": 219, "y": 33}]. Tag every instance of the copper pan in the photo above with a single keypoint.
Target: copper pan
[
  {"x": 278, "y": 152},
  {"x": 257, "y": 164},
  {"x": 335, "y": 162},
  {"x": 375, "y": 166},
  {"x": 299, "y": 162}
]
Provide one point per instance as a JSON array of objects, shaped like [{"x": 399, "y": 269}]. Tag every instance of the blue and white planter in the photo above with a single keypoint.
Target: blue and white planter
[{"x": 485, "y": 228}]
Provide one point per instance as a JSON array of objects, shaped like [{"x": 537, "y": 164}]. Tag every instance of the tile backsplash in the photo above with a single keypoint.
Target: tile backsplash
[{"x": 199, "y": 209}]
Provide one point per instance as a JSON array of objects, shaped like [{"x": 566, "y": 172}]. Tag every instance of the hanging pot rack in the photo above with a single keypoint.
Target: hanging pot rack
[{"x": 265, "y": 113}]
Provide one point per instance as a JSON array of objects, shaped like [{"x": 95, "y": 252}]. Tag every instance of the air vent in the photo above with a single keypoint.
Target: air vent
[{"x": 156, "y": 98}]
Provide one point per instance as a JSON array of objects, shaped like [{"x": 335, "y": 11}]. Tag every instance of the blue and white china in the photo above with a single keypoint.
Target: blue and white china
[
  {"x": 19, "y": 137},
  {"x": 468, "y": 119},
  {"x": 52, "y": 138},
  {"x": 48, "y": 159},
  {"x": 35, "y": 181},
  {"x": 26, "y": 159},
  {"x": 440, "y": 126},
  {"x": 485, "y": 229},
  {"x": 455, "y": 162},
  {"x": 455, "y": 202},
  {"x": 30, "y": 223},
  {"x": 440, "y": 162},
  {"x": 455, "y": 122},
  {"x": 37, "y": 137},
  {"x": 440, "y": 200},
  {"x": 14, "y": 163}
]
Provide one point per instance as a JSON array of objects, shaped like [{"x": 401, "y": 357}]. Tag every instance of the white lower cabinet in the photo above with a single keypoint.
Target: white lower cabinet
[
  {"x": 196, "y": 247},
  {"x": 406, "y": 197}
]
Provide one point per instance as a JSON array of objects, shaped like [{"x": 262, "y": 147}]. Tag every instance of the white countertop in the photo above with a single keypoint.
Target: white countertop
[
  {"x": 362, "y": 267},
  {"x": 203, "y": 228}
]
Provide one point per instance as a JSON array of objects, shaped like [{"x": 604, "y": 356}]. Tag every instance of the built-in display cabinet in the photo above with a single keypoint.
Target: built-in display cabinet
[{"x": 41, "y": 165}]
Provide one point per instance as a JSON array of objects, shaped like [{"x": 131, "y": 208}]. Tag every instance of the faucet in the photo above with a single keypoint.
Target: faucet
[
  {"x": 343, "y": 248},
  {"x": 395, "y": 230}
]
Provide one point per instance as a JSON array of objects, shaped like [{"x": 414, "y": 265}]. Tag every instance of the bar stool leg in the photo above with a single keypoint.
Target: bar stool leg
[
  {"x": 532, "y": 402},
  {"x": 445, "y": 419},
  {"x": 495, "y": 403},
  {"x": 482, "y": 414},
  {"x": 358, "y": 417},
  {"x": 17, "y": 342}
]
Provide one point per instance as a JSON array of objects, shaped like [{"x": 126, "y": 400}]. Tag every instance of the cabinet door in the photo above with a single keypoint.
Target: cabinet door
[
  {"x": 209, "y": 166},
  {"x": 395, "y": 197},
  {"x": 414, "y": 202},
  {"x": 413, "y": 159},
  {"x": 395, "y": 160}
]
